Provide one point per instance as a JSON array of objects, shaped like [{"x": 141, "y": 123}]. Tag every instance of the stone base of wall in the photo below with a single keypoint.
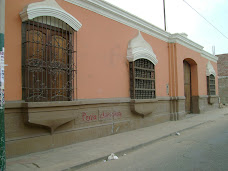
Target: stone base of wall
[
  {"x": 207, "y": 103},
  {"x": 35, "y": 127},
  {"x": 201, "y": 104},
  {"x": 177, "y": 108}
]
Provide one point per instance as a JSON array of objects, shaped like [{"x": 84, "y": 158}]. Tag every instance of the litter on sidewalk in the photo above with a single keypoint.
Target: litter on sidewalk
[
  {"x": 112, "y": 157},
  {"x": 177, "y": 133}
]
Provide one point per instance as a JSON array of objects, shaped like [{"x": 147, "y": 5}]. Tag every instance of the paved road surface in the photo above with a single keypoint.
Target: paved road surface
[{"x": 202, "y": 148}]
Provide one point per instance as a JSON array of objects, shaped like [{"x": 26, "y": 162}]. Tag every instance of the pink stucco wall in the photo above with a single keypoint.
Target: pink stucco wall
[{"x": 103, "y": 69}]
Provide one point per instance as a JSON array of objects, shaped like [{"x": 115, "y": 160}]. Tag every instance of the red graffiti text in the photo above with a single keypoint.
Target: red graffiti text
[
  {"x": 109, "y": 115},
  {"x": 88, "y": 118}
]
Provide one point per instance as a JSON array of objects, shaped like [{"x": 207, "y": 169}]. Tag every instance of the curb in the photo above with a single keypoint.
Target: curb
[{"x": 133, "y": 148}]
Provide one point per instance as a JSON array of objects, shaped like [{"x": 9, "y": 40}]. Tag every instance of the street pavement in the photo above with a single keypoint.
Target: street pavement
[
  {"x": 202, "y": 148},
  {"x": 83, "y": 154}
]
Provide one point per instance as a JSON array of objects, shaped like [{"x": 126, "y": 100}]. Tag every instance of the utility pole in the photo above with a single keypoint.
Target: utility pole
[
  {"x": 164, "y": 14},
  {"x": 2, "y": 101}
]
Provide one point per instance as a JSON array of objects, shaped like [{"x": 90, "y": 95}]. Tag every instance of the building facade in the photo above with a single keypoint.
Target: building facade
[
  {"x": 83, "y": 69},
  {"x": 223, "y": 77}
]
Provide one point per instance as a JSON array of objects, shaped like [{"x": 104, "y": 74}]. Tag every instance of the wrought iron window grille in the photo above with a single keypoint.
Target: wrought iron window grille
[
  {"x": 48, "y": 60},
  {"x": 211, "y": 85},
  {"x": 142, "y": 79}
]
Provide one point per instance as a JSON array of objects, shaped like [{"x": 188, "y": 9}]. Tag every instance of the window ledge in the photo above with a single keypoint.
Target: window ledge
[
  {"x": 142, "y": 107},
  {"x": 212, "y": 99},
  {"x": 23, "y": 104},
  {"x": 143, "y": 100},
  {"x": 213, "y": 96}
]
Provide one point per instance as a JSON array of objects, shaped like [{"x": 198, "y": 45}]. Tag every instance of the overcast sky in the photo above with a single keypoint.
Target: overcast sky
[{"x": 181, "y": 18}]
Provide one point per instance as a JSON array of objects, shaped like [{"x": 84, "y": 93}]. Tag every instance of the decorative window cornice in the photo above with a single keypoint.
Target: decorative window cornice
[
  {"x": 49, "y": 8},
  {"x": 210, "y": 70},
  {"x": 139, "y": 48}
]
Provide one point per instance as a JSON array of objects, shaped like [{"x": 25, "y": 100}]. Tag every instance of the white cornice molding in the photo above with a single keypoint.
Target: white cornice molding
[
  {"x": 110, "y": 11},
  {"x": 117, "y": 14},
  {"x": 209, "y": 56},
  {"x": 210, "y": 70},
  {"x": 138, "y": 48},
  {"x": 49, "y": 8},
  {"x": 183, "y": 40}
]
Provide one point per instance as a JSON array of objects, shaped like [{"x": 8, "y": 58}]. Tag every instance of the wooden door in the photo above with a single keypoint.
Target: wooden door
[{"x": 187, "y": 86}]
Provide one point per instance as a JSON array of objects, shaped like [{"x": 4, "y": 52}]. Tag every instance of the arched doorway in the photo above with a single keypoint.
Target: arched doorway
[
  {"x": 187, "y": 87},
  {"x": 191, "y": 90}
]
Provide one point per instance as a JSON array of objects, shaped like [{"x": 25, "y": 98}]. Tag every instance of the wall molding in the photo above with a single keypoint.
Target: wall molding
[
  {"x": 209, "y": 56},
  {"x": 182, "y": 39},
  {"x": 23, "y": 104},
  {"x": 202, "y": 96},
  {"x": 110, "y": 11},
  {"x": 117, "y": 14}
]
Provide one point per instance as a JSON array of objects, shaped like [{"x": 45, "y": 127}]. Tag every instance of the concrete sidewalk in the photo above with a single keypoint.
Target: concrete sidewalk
[{"x": 85, "y": 153}]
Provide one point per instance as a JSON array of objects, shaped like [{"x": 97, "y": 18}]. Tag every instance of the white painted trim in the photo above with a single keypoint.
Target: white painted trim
[
  {"x": 110, "y": 11},
  {"x": 183, "y": 40},
  {"x": 209, "y": 56},
  {"x": 117, "y": 14},
  {"x": 49, "y": 8},
  {"x": 210, "y": 70},
  {"x": 138, "y": 48}
]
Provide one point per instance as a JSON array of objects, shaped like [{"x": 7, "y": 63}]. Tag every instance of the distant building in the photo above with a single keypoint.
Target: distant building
[
  {"x": 223, "y": 77},
  {"x": 84, "y": 69}
]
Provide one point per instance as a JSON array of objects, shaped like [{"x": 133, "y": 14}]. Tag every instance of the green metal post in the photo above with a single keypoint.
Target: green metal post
[{"x": 2, "y": 118}]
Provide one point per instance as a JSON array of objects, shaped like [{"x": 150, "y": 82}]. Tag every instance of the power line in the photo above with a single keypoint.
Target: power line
[{"x": 206, "y": 19}]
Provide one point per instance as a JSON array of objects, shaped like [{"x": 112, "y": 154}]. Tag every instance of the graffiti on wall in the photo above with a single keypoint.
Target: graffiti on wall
[
  {"x": 109, "y": 115},
  {"x": 88, "y": 117}
]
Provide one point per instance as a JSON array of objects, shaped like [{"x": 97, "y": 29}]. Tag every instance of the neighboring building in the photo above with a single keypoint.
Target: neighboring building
[
  {"x": 223, "y": 77},
  {"x": 80, "y": 69}
]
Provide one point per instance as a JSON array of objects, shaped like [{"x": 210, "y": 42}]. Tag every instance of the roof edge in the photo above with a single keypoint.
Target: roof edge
[{"x": 117, "y": 14}]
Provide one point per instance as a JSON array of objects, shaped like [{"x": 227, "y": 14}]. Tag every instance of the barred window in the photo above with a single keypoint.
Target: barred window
[
  {"x": 48, "y": 60},
  {"x": 211, "y": 85},
  {"x": 142, "y": 79}
]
